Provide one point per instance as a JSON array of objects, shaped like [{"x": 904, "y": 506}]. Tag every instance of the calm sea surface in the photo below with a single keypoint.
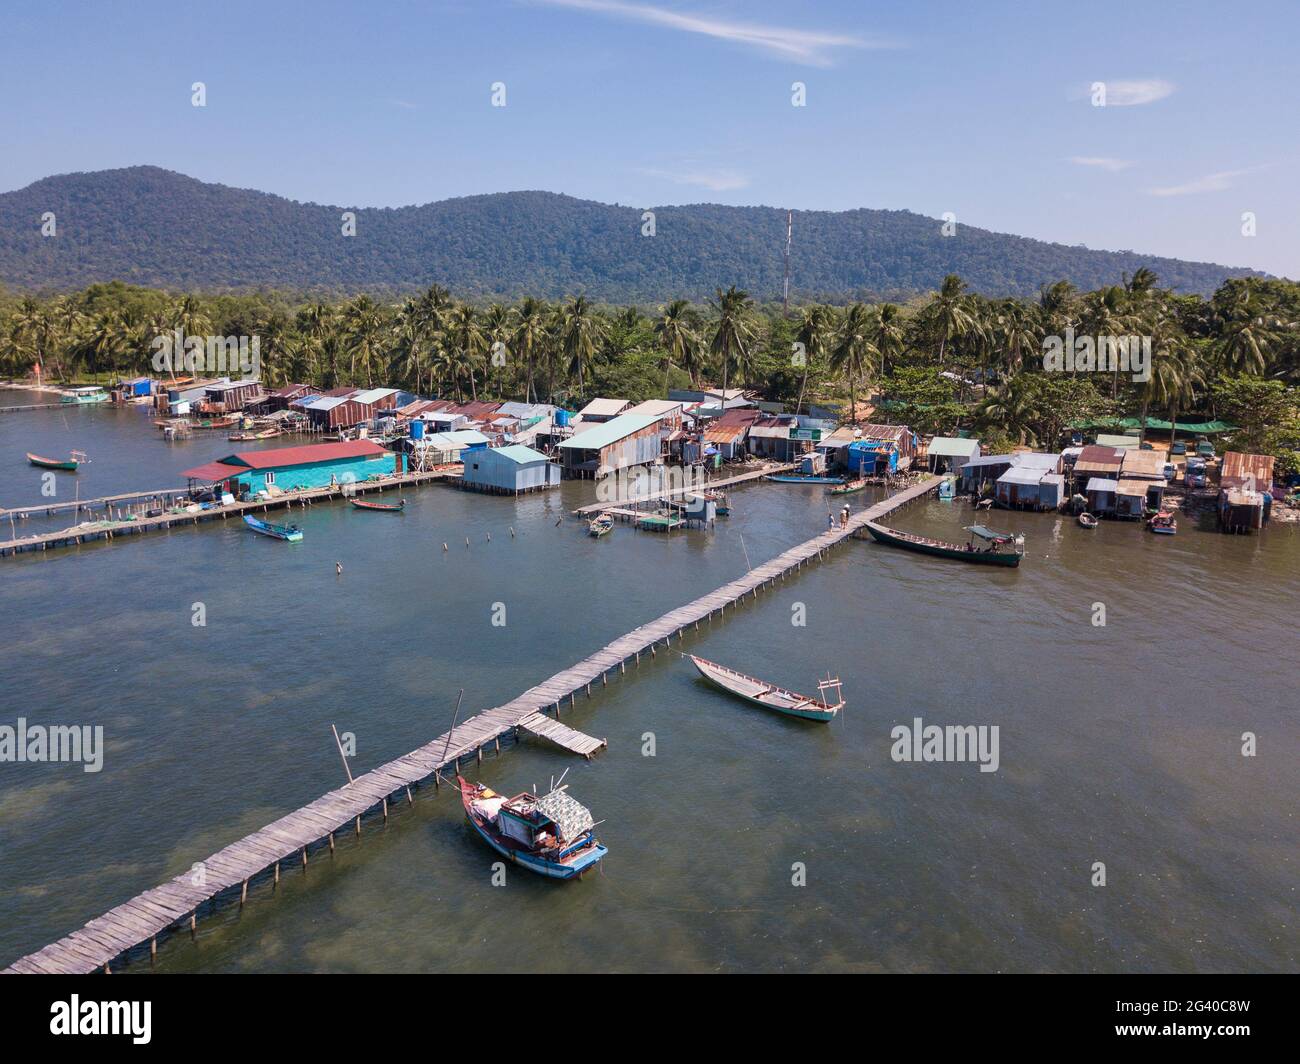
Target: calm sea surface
[{"x": 1118, "y": 744}]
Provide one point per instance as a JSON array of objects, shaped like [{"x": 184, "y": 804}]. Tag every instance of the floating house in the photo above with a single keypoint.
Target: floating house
[
  {"x": 984, "y": 469},
  {"x": 1022, "y": 488},
  {"x": 1245, "y": 487},
  {"x": 509, "y": 470},
  {"x": 230, "y": 397},
  {"x": 1102, "y": 492},
  {"x": 729, "y": 433},
  {"x": 947, "y": 454},
  {"x": 776, "y": 437},
  {"x": 1097, "y": 461},
  {"x": 280, "y": 398},
  {"x": 289, "y": 468},
  {"x": 894, "y": 446},
  {"x": 624, "y": 441},
  {"x": 183, "y": 394},
  {"x": 377, "y": 399},
  {"x": 1130, "y": 498},
  {"x": 1148, "y": 467}
]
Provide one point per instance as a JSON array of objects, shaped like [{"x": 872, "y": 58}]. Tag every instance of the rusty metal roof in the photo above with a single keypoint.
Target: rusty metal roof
[{"x": 1238, "y": 466}]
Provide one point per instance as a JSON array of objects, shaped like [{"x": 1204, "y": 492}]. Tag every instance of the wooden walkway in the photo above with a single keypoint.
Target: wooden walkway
[
  {"x": 561, "y": 734},
  {"x": 656, "y": 496},
  {"x": 177, "y": 902},
  {"x": 110, "y": 530},
  {"x": 103, "y": 501}
]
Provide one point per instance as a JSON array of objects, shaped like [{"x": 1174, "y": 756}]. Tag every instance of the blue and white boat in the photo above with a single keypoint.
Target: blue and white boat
[
  {"x": 288, "y": 533},
  {"x": 802, "y": 478},
  {"x": 84, "y": 396},
  {"x": 551, "y": 835},
  {"x": 947, "y": 489}
]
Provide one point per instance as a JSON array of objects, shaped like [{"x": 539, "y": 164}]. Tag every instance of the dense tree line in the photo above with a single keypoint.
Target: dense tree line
[{"x": 949, "y": 360}]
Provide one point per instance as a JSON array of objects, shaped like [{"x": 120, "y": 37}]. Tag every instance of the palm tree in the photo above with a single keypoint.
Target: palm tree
[
  {"x": 734, "y": 332},
  {"x": 815, "y": 325},
  {"x": 467, "y": 343},
  {"x": 579, "y": 331},
  {"x": 34, "y": 329},
  {"x": 1106, "y": 313},
  {"x": 675, "y": 329},
  {"x": 363, "y": 324},
  {"x": 1013, "y": 407},
  {"x": 887, "y": 333},
  {"x": 853, "y": 346},
  {"x": 496, "y": 330},
  {"x": 106, "y": 340},
  {"x": 949, "y": 312},
  {"x": 410, "y": 330},
  {"x": 1056, "y": 307},
  {"x": 529, "y": 332},
  {"x": 1247, "y": 333}
]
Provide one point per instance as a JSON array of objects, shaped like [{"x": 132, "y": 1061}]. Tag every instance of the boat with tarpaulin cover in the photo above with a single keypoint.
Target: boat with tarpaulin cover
[{"x": 551, "y": 835}]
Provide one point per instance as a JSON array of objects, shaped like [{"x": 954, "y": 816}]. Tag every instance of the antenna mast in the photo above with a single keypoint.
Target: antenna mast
[{"x": 789, "y": 230}]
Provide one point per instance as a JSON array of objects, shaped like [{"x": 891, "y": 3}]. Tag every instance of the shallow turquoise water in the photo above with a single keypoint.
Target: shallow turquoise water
[{"x": 1118, "y": 744}]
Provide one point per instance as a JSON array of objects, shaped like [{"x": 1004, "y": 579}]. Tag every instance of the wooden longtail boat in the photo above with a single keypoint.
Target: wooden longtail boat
[
  {"x": 265, "y": 434},
  {"x": 288, "y": 533},
  {"x": 990, "y": 555},
  {"x": 850, "y": 487},
  {"x": 381, "y": 507},
  {"x": 1086, "y": 520},
  {"x": 600, "y": 525},
  {"x": 550, "y": 835},
  {"x": 68, "y": 464},
  {"x": 764, "y": 694}
]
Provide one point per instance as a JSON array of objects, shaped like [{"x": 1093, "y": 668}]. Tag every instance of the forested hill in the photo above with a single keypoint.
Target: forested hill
[{"x": 154, "y": 227}]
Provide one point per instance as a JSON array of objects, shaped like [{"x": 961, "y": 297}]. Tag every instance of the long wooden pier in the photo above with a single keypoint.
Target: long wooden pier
[
  {"x": 658, "y": 496},
  {"x": 136, "y": 925},
  {"x": 90, "y": 531},
  {"x": 106, "y": 502}
]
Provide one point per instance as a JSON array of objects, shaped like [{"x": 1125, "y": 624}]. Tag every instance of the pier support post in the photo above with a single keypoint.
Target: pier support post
[
  {"x": 153, "y": 949},
  {"x": 409, "y": 799},
  {"x": 277, "y": 873},
  {"x": 331, "y": 850},
  {"x": 243, "y": 894},
  {"x": 385, "y": 810},
  {"x": 358, "y": 826}
]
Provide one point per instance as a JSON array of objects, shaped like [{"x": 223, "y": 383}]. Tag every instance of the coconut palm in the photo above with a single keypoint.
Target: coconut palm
[
  {"x": 816, "y": 324},
  {"x": 1013, "y": 407},
  {"x": 675, "y": 329},
  {"x": 529, "y": 332},
  {"x": 853, "y": 346},
  {"x": 467, "y": 343},
  {"x": 1106, "y": 313},
  {"x": 579, "y": 331},
  {"x": 949, "y": 314},
  {"x": 362, "y": 323},
  {"x": 734, "y": 333},
  {"x": 106, "y": 340},
  {"x": 886, "y": 332}
]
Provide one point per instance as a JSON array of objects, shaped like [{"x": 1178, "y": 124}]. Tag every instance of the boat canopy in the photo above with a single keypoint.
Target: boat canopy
[
  {"x": 569, "y": 816},
  {"x": 987, "y": 533}
]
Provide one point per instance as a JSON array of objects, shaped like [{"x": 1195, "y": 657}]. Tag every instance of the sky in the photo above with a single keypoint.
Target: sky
[{"x": 985, "y": 110}]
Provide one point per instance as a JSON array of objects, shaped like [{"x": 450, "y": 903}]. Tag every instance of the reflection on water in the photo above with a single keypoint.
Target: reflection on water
[{"x": 1118, "y": 744}]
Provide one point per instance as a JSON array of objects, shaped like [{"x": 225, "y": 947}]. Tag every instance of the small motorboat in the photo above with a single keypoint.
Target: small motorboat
[
  {"x": 551, "y": 835},
  {"x": 947, "y": 489},
  {"x": 288, "y": 533},
  {"x": 601, "y": 525},
  {"x": 1163, "y": 524},
  {"x": 264, "y": 434},
  {"x": 380, "y": 507},
  {"x": 67, "y": 464},
  {"x": 849, "y": 487},
  {"x": 764, "y": 694},
  {"x": 1086, "y": 520}
]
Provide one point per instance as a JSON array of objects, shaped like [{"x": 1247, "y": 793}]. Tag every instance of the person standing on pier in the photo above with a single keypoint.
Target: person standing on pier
[{"x": 830, "y": 521}]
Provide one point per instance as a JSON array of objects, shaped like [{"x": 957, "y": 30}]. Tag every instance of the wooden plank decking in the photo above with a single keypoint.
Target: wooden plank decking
[
  {"x": 561, "y": 734},
  {"x": 140, "y": 920},
  {"x": 656, "y": 496}
]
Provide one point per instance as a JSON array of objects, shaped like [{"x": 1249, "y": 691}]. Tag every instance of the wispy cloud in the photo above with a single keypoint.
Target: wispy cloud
[
  {"x": 1209, "y": 183},
  {"x": 713, "y": 180},
  {"x": 812, "y": 47},
  {"x": 1101, "y": 162},
  {"x": 1136, "y": 93}
]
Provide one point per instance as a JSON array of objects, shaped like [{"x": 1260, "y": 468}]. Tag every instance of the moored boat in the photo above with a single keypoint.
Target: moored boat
[
  {"x": 600, "y": 525},
  {"x": 380, "y": 507},
  {"x": 849, "y": 487},
  {"x": 947, "y": 489},
  {"x": 1163, "y": 524},
  {"x": 551, "y": 835},
  {"x": 84, "y": 396},
  {"x": 67, "y": 464},
  {"x": 993, "y": 554},
  {"x": 1087, "y": 520},
  {"x": 288, "y": 533},
  {"x": 769, "y": 696}
]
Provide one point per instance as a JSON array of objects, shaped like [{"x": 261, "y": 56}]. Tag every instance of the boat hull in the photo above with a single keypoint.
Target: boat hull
[
  {"x": 849, "y": 489},
  {"x": 794, "y": 478},
  {"x": 263, "y": 528},
  {"x": 589, "y": 857},
  {"x": 942, "y": 550},
  {"x": 68, "y": 466},
  {"x": 379, "y": 507},
  {"x": 722, "y": 679}
]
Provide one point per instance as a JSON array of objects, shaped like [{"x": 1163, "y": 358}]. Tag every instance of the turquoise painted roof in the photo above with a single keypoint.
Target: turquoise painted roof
[
  {"x": 517, "y": 452},
  {"x": 598, "y": 436}
]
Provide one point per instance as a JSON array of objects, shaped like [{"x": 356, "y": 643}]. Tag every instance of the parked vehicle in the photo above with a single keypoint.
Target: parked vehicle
[{"x": 1179, "y": 447}]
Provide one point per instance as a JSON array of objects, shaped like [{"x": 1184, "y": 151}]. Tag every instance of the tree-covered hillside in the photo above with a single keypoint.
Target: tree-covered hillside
[{"x": 149, "y": 226}]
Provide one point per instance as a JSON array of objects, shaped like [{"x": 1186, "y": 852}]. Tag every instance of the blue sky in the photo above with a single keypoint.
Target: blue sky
[{"x": 982, "y": 109}]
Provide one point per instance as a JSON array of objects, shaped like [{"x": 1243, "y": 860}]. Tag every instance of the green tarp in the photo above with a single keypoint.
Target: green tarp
[{"x": 1201, "y": 428}]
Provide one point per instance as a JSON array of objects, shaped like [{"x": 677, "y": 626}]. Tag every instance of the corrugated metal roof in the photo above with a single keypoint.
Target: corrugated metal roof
[
  {"x": 1102, "y": 484},
  {"x": 953, "y": 446},
  {"x": 466, "y": 437},
  {"x": 1128, "y": 486},
  {"x": 519, "y": 454},
  {"x": 214, "y": 471},
  {"x": 1099, "y": 459},
  {"x": 274, "y": 458},
  {"x": 657, "y": 407},
  {"x": 1035, "y": 460},
  {"x": 1239, "y": 465},
  {"x": 989, "y": 460},
  {"x": 598, "y": 436},
  {"x": 328, "y": 402},
  {"x": 373, "y": 395},
  {"x": 1122, "y": 442},
  {"x": 1021, "y": 475},
  {"x": 884, "y": 432},
  {"x": 604, "y": 408},
  {"x": 1144, "y": 463}
]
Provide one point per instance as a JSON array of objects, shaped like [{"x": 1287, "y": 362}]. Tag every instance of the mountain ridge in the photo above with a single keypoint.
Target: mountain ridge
[{"x": 151, "y": 226}]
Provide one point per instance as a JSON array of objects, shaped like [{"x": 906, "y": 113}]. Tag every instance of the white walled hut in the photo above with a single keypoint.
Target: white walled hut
[
  {"x": 947, "y": 454},
  {"x": 509, "y": 470}
]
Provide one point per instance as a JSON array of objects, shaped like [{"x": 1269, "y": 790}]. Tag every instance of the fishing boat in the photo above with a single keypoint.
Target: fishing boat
[
  {"x": 995, "y": 553},
  {"x": 1086, "y": 520},
  {"x": 947, "y": 489},
  {"x": 84, "y": 396},
  {"x": 1163, "y": 524},
  {"x": 380, "y": 507},
  {"x": 265, "y": 434},
  {"x": 849, "y": 487},
  {"x": 551, "y": 835},
  {"x": 68, "y": 464},
  {"x": 762, "y": 693},
  {"x": 288, "y": 533},
  {"x": 802, "y": 478},
  {"x": 601, "y": 525}
]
